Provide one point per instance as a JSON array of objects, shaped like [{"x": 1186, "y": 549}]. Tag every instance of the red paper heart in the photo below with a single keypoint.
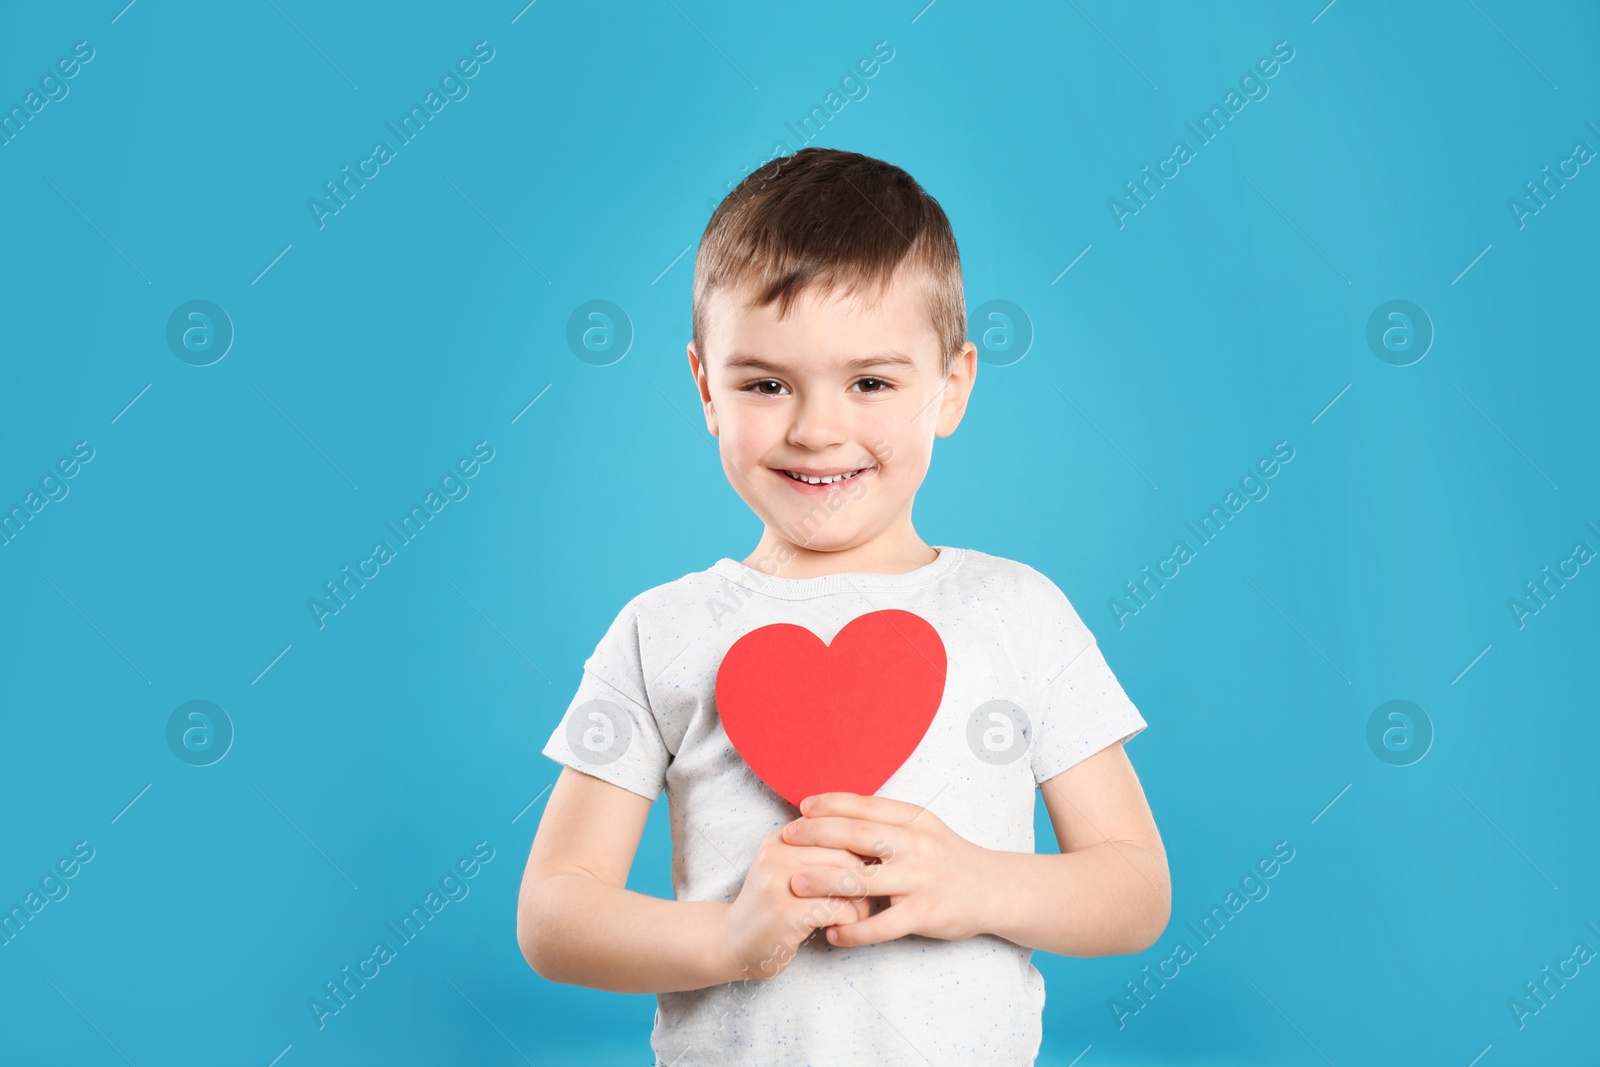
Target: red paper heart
[{"x": 814, "y": 718}]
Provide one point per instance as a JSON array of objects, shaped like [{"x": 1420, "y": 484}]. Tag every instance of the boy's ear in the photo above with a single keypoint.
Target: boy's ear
[
  {"x": 697, "y": 371},
  {"x": 957, "y": 388}
]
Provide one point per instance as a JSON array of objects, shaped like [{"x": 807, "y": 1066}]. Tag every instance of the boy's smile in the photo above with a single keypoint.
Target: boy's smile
[
  {"x": 826, "y": 419},
  {"x": 821, "y": 482}
]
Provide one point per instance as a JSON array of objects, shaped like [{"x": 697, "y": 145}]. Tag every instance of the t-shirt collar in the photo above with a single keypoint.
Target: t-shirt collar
[{"x": 844, "y": 582}]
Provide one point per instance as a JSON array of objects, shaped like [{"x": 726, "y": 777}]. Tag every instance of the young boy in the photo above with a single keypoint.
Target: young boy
[{"x": 829, "y": 351}]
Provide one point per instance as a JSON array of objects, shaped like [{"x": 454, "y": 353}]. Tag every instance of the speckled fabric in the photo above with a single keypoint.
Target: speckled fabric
[{"x": 1010, "y": 635}]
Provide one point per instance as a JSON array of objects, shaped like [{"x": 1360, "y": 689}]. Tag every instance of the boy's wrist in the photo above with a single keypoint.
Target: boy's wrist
[
  {"x": 717, "y": 965},
  {"x": 994, "y": 878}
]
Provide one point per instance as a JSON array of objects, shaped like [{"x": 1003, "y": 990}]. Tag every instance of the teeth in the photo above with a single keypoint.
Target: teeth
[{"x": 822, "y": 481}]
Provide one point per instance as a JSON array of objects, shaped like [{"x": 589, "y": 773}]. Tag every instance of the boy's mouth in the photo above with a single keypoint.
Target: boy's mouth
[{"x": 822, "y": 482}]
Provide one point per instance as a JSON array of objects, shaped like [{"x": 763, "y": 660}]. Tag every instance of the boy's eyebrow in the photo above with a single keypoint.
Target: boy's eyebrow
[{"x": 745, "y": 361}]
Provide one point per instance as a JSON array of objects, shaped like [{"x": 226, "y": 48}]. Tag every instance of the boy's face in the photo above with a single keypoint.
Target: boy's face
[{"x": 833, "y": 387}]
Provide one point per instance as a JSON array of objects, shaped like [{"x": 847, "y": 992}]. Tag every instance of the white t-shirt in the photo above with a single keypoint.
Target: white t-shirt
[{"x": 1015, "y": 649}]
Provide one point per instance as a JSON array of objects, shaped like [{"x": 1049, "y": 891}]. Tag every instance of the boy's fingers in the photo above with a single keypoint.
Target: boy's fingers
[
  {"x": 861, "y": 881},
  {"x": 848, "y": 911},
  {"x": 826, "y": 911},
  {"x": 861, "y": 837},
  {"x": 888, "y": 924},
  {"x": 825, "y": 856}
]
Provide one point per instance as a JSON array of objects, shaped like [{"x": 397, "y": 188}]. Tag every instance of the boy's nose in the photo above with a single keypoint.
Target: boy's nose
[{"x": 819, "y": 424}]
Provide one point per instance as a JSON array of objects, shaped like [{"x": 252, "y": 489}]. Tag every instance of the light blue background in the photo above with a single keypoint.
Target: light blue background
[{"x": 1227, "y": 315}]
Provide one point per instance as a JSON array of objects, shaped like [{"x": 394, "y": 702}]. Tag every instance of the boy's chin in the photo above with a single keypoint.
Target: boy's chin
[
  {"x": 822, "y": 540},
  {"x": 824, "y": 543}
]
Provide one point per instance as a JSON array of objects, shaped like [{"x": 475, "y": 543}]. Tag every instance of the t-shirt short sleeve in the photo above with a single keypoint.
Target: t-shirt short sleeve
[
  {"x": 608, "y": 730},
  {"x": 1080, "y": 708}
]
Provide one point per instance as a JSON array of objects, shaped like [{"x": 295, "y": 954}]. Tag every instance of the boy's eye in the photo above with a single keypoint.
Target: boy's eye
[{"x": 759, "y": 387}]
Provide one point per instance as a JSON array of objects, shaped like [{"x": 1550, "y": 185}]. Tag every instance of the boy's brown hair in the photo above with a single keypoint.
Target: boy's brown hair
[{"x": 835, "y": 219}]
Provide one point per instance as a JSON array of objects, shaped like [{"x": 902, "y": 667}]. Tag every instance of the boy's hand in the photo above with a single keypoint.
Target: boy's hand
[
  {"x": 766, "y": 923},
  {"x": 933, "y": 877}
]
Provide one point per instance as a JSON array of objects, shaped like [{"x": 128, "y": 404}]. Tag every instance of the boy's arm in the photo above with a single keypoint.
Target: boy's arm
[
  {"x": 577, "y": 924},
  {"x": 1107, "y": 893}
]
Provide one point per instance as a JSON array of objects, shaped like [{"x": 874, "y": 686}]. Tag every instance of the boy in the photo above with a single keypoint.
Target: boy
[{"x": 829, "y": 350}]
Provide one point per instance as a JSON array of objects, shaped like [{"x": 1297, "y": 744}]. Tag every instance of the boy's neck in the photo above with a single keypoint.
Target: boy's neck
[{"x": 889, "y": 553}]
